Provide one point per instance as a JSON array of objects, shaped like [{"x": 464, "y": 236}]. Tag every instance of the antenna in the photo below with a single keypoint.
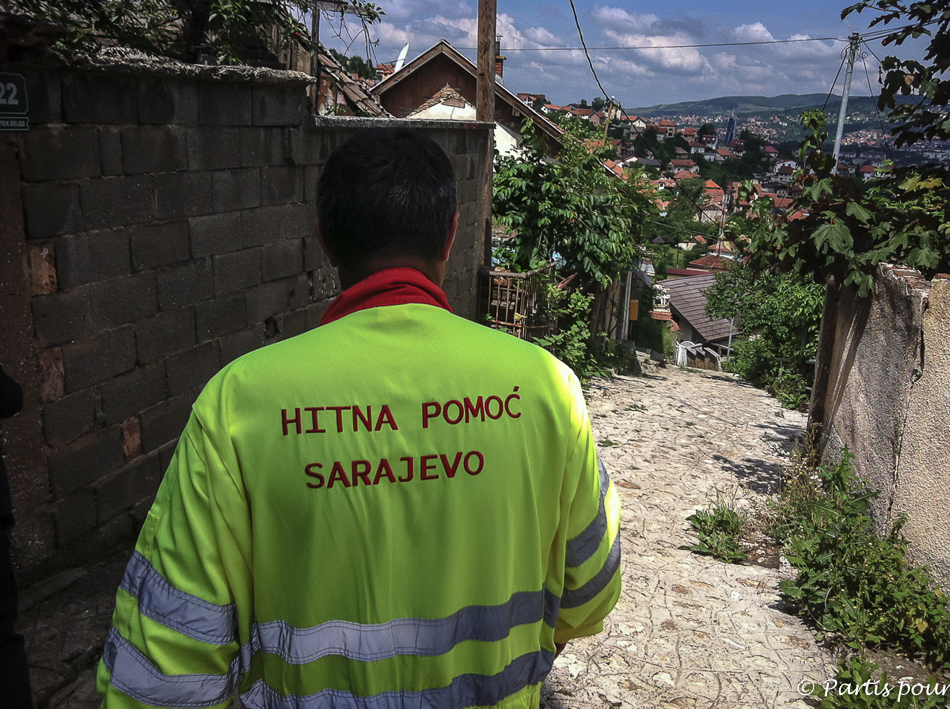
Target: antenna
[{"x": 402, "y": 58}]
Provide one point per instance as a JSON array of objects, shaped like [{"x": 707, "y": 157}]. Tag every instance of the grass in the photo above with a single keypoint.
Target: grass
[
  {"x": 855, "y": 587},
  {"x": 720, "y": 528}
]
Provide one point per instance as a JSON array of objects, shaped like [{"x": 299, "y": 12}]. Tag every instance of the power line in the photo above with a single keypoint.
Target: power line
[{"x": 667, "y": 46}]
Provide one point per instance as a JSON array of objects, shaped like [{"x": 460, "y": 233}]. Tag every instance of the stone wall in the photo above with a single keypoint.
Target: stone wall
[
  {"x": 888, "y": 401},
  {"x": 154, "y": 225}
]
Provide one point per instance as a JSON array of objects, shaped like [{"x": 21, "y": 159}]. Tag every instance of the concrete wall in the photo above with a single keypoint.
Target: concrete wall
[
  {"x": 153, "y": 227},
  {"x": 888, "y": 401}
]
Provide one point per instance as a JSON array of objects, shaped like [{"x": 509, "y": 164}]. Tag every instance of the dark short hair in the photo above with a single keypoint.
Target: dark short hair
[{"x": 386, "y": 191}]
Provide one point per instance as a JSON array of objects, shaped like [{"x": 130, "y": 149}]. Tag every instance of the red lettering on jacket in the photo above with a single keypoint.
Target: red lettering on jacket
[
  {"x": 285, "y": 421},
  {"x": 361, "y": 470},
  {"x": 313, "y": 415},
  {"x": 386, "y": 417},
  {"x": 450, "y": 469},
  {"x": 384, "y": 465},
  {"x": 426, "y": 466},
  {"x": 337, "y": 473},
  {"x": 311, "y": 470}
]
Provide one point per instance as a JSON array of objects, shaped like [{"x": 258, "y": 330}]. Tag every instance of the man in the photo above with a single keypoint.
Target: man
[
  {"x": 14, "y": 668},
  {"x": 400, "y": 508}
]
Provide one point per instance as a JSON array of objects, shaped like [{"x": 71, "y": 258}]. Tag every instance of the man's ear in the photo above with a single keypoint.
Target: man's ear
[
  {"x": 331, "y": 257},
  {"x": 450, "y": 238}
]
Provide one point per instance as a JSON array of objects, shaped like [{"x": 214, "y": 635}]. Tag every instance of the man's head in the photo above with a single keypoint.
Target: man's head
[{"x": 387, "y": 196}]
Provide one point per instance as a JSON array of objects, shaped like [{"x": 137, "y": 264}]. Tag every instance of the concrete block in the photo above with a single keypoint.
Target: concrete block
[
  {"x": 130, "y": 393},
  {"x": 96, "y": 360},
  {"x": 192, "y": 369},
  {"x": 110, "y": 150},
  {"x": 216, "y": 233},
  {"x": 42, "y": 264},
  {"x": 235, "y": 189},
  {"x": 324, "y": 283},
  {"x": 261, "y": 226},
  {"x": 52, "y": 375},
  {"x": 314, "y": 313},
  {"x": 68, "y": 418},
  {"x": 220, "y": 316},
  {"x": 185, "y": 284},
  {"x": 237, "y": 271},
  {"x": 116, "y": 201},
  {"x": 267, "y": 301},
  {"x": 263, "y": 146},
  {"x": 131, "y": 439},
  {"x": 156, "y": 245},
  {"x": 240, "y": 343},
  {"x": 165, "y": 334},
  {"x": 279, "y": 105},
  {"x": 298, "y": 220},
  {"x": 281, "y": 259},
  {"x": 59, "y": 153},
  {"x": 153, "y": 149},
  {"x": 280, "y": 185},
  {"x": 311, "y": 180},
  {"x": 128, "y": 487},
  {"x": 124, "y": 300},
  {"x": 298, "y": 295},
  {"x": 213, "y": 148},
  {"x": 85, "y": 461},
  {"x": 182, "y": 194},
  {"x": 45, "y": 95},
  {"x": 51, "y": 209},
  {"x": 314, "y": 256},
  {"x": 164, "y": 421},
  {"x": 93, "y": 257},
  {"x": 92, "y": 97},
  {"x": 225, "y": 104},
  {"x": 294, "y": 323},
  {"x": 75, "y": 515},
  {"x": 163, "y": 101},
  {"x": 305, "y": 146},
  {"x": 61, "y": 317}
]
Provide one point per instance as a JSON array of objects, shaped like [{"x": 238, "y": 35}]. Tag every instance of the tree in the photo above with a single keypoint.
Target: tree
[
  {"x": 782, "y": 312},
  {"x": 926, "y": 119},
  {"x": 707, "y": 129},
  {"x": 571, "y": 210},
  {"x": 182, "y": 29}
]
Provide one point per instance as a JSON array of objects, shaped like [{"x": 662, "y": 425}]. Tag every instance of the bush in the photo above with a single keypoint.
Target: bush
[{"x": 855, "y": 586}]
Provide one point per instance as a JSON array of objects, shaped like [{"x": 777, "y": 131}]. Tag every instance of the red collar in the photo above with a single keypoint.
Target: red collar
[{"x": 391, "y": 286}]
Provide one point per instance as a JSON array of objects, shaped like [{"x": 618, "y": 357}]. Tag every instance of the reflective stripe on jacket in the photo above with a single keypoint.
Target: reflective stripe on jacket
[{"x": 398, "y": 509}]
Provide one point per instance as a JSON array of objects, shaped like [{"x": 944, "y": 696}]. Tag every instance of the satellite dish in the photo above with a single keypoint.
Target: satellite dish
[{"x": 402, "y": 58}]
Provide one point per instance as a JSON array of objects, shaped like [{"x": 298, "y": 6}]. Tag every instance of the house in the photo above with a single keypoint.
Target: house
[
  {"x": 713, "y": 263},
  {"x": 673, "y": 273},
  {"x": 688, "y": 307},
  {"x": 440, "y": 84},
  {"x": 683, "y": 165}
]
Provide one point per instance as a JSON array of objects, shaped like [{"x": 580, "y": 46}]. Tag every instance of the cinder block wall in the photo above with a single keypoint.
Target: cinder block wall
[
  {"x": 153, "y": 227},
  {"x": 888, "y": 401}
]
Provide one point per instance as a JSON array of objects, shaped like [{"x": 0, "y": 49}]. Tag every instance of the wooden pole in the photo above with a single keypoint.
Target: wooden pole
[
  {"x": 314, "y": 58},
  {"x": 485, "y": 106},
  {"x": 485, "y": 87}
]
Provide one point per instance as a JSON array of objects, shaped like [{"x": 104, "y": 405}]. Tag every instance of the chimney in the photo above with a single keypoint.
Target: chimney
[{"x": 499, "y": 62}]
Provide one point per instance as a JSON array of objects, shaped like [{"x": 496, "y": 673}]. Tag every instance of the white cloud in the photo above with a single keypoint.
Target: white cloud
[
  {"x": 756, "y": 32},
  {"x": 631, "y": 23}
]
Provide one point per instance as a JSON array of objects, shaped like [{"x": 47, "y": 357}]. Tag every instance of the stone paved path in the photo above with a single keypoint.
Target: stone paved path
[{"x": 688, "y": 632}]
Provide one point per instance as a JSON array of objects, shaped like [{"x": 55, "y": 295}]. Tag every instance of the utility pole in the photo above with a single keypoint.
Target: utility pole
[
  {"x": 485, "y": 86},
  {"x": 314, "y": 58},
  {"x": 854, "y": 44},
  {"x": 485, "y": 107}
]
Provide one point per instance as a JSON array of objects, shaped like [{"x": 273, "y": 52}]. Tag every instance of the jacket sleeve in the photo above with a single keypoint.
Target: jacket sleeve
[
  {"x": 175, "y": 639},
  {"x": 592, "y": 574}
]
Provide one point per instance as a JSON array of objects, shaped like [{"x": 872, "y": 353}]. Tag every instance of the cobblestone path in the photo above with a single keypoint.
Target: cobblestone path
[{"x": 689, "y": 631}]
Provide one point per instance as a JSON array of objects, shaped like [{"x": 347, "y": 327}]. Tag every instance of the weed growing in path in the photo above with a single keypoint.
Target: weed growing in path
[{"x": 720, "y": 529}]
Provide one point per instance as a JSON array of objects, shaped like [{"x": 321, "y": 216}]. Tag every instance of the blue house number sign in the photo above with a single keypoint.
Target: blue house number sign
[{"x": 13, "y": 106}]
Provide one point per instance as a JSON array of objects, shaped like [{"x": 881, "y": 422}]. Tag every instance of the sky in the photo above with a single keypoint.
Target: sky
[{"x": 652, "y": 66}]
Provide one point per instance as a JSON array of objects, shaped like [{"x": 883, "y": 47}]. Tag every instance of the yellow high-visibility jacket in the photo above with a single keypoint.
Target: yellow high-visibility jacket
[{"x": 401, "y": 508}]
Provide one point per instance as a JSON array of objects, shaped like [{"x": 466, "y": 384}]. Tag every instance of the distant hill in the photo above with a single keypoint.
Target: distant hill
[
  {"x": 774, "y": 117},
  {"x": 749, "y": 105}
]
